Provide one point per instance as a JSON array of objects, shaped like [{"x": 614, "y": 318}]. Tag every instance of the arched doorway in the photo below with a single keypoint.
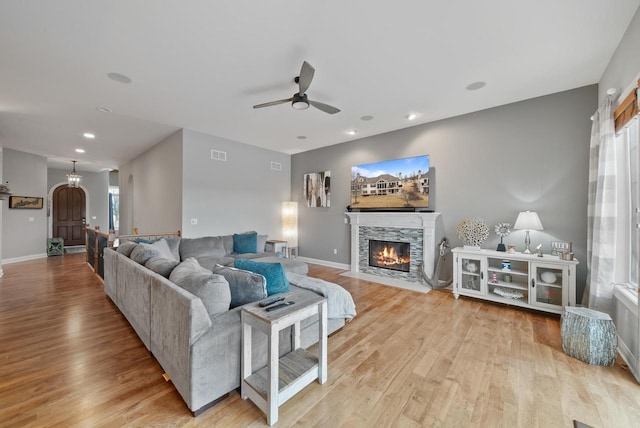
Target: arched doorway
[{"x": 69, "y": 215}]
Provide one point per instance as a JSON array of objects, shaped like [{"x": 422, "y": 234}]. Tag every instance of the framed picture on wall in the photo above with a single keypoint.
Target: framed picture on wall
[
  {"x": 317, "y": 189},
  {"x": 26, "y": 202}
]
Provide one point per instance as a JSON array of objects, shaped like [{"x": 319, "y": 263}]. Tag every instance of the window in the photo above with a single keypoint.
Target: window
[
  {"x": 628, "y": 248},
  {"x": 114, "y": 207}
]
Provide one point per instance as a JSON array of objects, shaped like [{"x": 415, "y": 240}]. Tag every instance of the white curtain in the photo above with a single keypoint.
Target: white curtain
[{"x": 601, "y": 211}]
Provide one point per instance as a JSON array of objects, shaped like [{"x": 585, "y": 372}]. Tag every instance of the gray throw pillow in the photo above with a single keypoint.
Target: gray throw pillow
[
  {"x": 212, "y": 289},
  {"x": 162, "y": 246},
  {"x": 126, "y": 248},
  {"x": 245, "y": 286},
  {"x": 161, "y": 266},
  {"x": 200, "y": 247},
  {"x": 143, "y": 252},
  {"x": 174, "y": 246}
]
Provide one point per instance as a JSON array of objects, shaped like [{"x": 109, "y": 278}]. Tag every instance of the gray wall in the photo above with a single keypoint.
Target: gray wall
[
  {"x": 113, "y": 179},
  {"x": 625, "y": 63},
  {"x": 151, "y": 189},
  {"x": 24, "y": 231},
  {"x": 531, "y": 155},
  {"x": 96, "y": 187},
  {"x": 234, "y": 196}
]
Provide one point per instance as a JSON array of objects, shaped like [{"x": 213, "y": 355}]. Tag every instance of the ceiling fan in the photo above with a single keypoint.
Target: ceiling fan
[{"x": 299, "y": 100}]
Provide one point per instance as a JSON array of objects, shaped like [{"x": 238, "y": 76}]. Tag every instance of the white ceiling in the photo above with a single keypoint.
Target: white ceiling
[{"x": 203, "y": 64}]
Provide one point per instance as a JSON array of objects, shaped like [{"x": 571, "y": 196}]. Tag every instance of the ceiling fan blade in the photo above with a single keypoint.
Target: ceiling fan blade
[
  {"x": 324, "y": 107},
  {"x": 305, "y": 78},
  {"x": 273, "y": 103}
]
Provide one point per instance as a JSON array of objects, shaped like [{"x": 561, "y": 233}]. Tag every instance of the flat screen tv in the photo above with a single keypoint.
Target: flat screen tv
[{"x": 399, "y": 184}]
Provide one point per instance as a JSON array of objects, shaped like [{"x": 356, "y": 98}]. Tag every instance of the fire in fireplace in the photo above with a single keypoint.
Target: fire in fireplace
[{"x": 389, "y": 255}]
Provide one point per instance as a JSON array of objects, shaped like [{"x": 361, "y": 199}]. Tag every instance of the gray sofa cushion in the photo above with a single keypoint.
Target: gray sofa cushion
[
  {"x": 143, "y": 252},
  {"x": 210, "y": 262},
  {"x": 262, "y": 243},
  {"x": 245, "y": 286},
  {"x": 227, "y": 242},
  {"x": 126, "y": 248},
  {"x": 200, "y": 247},
  {"x": 289, "y": 265},
  {"x": 161, "y": 265},
  {"x": 212, "y": 289}
]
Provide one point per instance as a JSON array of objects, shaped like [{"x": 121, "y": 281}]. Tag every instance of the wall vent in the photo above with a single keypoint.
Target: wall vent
[
  {"x": 218, "y": 155},
  {"x": 276, "y": 166}
]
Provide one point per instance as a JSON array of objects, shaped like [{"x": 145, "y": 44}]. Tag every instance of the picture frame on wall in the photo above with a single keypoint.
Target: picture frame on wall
[
  {"x": 26, "y": 202},
  {"x": 317, "y": 189}
]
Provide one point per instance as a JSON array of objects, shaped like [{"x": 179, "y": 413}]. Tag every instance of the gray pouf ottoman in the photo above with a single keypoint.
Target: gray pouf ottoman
[
  {"x": 589, "y": 336},
  {"x": 289, "y": 265}
]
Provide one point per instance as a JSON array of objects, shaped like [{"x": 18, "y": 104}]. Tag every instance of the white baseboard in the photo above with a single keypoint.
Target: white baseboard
[
  {"x": 324, "y": 263},
  {"x": 24, "y": 258}
]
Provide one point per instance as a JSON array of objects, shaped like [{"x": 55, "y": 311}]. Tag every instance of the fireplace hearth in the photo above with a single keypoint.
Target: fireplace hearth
[{"x": 390, "y": 255}]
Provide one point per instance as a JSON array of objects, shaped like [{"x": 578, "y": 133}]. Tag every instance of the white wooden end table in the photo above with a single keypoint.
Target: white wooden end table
[
  {"x": 278, "y": 247},
  {"x": 283, "y": 377}
]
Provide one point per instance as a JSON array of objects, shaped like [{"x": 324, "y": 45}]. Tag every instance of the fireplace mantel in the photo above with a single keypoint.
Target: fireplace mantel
[{"x": 430, "y": 224}]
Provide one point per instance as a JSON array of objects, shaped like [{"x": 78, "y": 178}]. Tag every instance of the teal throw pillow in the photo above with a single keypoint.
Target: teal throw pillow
[
  {"x": 245, "y": 243},
  {"x": 143, "y": 241},
  {"x": 274, "y": 273}
]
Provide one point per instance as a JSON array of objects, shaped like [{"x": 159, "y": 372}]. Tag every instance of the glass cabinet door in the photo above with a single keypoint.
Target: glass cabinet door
[
  {"x": 548, "y": 285},
  {"x": 470, "y": 274}
]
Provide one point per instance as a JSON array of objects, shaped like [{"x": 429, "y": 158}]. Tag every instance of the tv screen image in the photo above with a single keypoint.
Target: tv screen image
[{"x": 392, "y": 184}]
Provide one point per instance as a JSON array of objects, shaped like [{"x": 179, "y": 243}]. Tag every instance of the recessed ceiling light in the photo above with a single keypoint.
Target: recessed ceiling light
[
  {"x": 352, "y": 132},
  {"x": 117, "y": 77},
  {"x": 89, "y": 135},
  {"x": 367, "y": 117},
  {"x": 79, "y": 150},
  {"x": 412, "y": 116},
  {"x": 301, "y": 137},
  {"x": 104, "y": 110},
  {"x": 476, "y": 85}
]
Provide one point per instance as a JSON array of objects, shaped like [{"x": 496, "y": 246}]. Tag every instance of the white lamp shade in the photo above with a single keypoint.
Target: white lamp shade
[
  {"x": 528, "y": 220},
  {"x": 290, "y": 223}
]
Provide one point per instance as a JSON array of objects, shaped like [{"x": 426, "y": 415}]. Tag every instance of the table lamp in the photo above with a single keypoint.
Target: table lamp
[{"x": 527, "y": 221}]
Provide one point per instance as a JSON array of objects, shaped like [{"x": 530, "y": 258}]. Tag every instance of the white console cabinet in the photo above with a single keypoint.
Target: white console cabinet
[{"x": 545, "y": 283}]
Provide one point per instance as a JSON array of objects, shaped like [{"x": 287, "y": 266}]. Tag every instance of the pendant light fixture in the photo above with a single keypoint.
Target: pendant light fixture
[{"x": 74, "y": 177}]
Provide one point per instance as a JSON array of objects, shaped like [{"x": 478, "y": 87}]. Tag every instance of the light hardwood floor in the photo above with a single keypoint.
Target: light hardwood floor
[{"x": 69, "y": 358}]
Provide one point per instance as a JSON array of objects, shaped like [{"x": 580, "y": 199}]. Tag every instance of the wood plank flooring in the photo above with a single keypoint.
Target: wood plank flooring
[{"x": 69, "y": 358}]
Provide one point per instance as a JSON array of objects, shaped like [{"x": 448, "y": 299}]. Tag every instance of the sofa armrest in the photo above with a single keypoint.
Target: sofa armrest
[
  {"x": 178, "y": 320},
  {"x": 176, "y": 312}
]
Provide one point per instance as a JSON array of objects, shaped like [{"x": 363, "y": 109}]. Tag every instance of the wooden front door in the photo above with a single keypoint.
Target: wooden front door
[{"x": 69, "y": 215}]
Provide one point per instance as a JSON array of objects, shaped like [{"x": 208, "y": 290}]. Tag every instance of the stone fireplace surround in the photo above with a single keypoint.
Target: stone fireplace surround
[{"x": 421, "y": 229}]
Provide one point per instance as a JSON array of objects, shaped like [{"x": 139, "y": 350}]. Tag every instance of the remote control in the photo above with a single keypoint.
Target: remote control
[
  {"x": 280, "y": 306},
  {"x": 271, "y": 301}
]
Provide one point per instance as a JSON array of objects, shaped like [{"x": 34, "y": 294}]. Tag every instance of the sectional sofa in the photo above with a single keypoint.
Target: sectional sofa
[{"x": 196, "y": 338}]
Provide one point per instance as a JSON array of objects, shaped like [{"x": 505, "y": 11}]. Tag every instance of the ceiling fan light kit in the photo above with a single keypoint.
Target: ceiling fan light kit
[{"x": 299, "y": 100}]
